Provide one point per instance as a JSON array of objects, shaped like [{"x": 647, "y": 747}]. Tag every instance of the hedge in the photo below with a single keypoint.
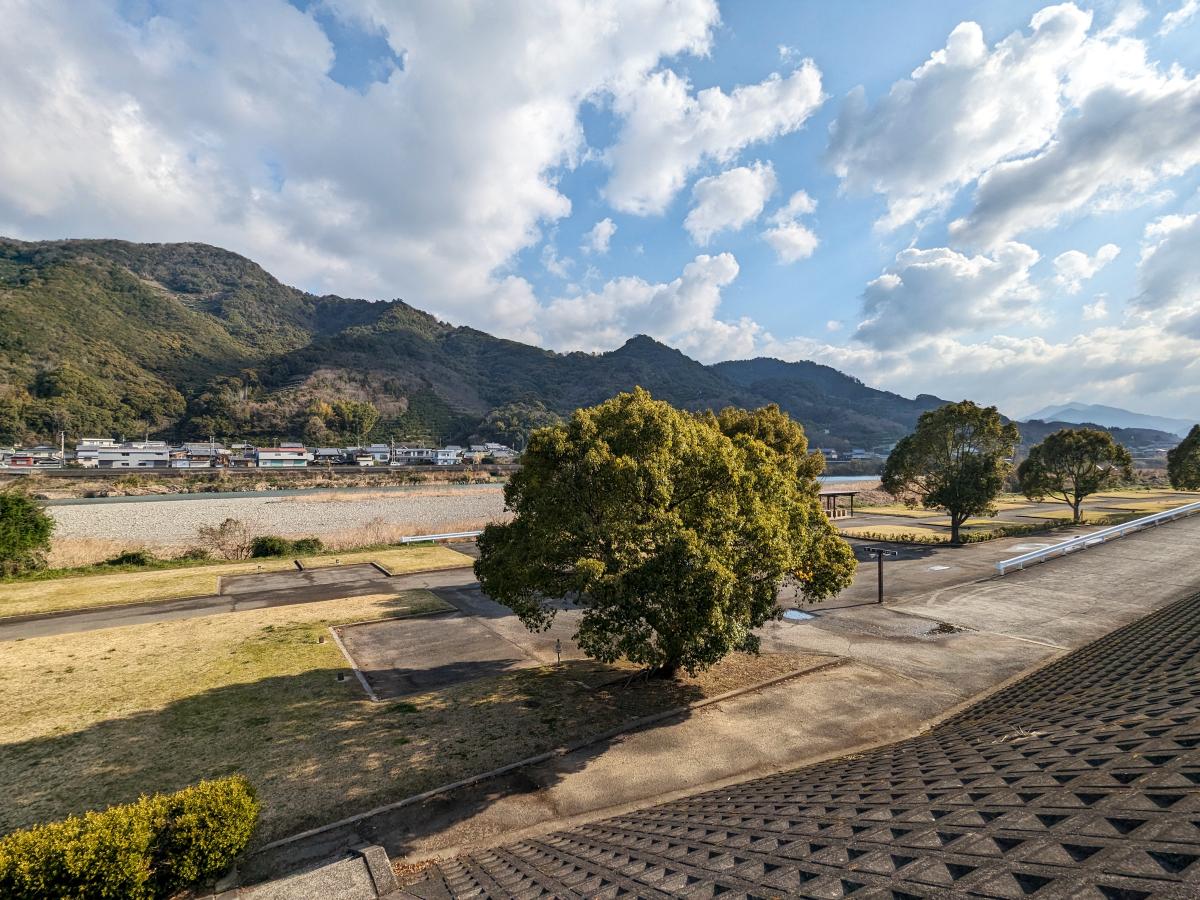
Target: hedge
[{"x": 141, "y": 850}]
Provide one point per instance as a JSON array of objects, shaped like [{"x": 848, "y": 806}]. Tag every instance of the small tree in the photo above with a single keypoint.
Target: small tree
[
  {"x": 25, "y": 531},
  {"x": 1073, "y": 464},
  {"x": 672, "y": 535},
  {"x": 956, "y": 459},
  {"x": 232, "y": 539},
  {"x": 1183, "y": 462}
]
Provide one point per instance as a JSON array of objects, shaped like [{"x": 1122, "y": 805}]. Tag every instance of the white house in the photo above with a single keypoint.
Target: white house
[
  {"x": 413, "y": 455},
  {"x": 449, "y": 455},
  {"x": 87, "y": 450},
  {"x": 134, "y": 455},
  {"x": 284, "y": 457}
]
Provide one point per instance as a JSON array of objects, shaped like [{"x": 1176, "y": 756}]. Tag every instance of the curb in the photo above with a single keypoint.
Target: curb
[
  {"x": 362, "y": 679},
  {"x": 632, "y": 725}
]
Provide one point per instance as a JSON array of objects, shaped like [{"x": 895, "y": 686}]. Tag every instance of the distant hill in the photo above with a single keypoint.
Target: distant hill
[
  {"x": 106, "y": 337},
  {"x": 1111, "y": 416}
]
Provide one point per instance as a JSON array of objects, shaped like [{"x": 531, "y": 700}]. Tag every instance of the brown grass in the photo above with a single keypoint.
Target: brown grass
[
  {"x": 21, "y": 598},
  {"x": 378, "y": 531},
  {"x": 100, "y": 717}
]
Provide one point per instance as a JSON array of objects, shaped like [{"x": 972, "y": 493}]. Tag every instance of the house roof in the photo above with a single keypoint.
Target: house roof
[{"x": 1078, "y": 780}]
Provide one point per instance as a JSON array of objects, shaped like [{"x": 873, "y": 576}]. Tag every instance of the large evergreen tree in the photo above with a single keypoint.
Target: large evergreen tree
[
  {"x": 956, "y": 459},
  {"x": 1072, "y": 464},
  {"x": 674, "y": 532},
  {"x": 1183, "y": 462}
]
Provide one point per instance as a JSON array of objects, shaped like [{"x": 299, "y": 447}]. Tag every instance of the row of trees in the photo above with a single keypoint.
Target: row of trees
[
  {"x": 960, "y": 455},
  {"x": 675, "y": 531}
]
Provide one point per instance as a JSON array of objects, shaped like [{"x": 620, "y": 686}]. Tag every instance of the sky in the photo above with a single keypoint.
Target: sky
[{"x": 994, "y": 201}]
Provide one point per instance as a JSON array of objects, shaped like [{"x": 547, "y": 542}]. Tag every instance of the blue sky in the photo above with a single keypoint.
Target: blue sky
[{"x": 993, "y": 200}]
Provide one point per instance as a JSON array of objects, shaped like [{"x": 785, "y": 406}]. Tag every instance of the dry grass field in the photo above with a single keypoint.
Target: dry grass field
[
  {"x": 100, "y": 717},
  {"x": 87, "y": 591}
]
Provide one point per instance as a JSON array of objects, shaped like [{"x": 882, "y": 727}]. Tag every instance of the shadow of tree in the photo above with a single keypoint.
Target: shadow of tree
[{"x": 317, "y": 752}]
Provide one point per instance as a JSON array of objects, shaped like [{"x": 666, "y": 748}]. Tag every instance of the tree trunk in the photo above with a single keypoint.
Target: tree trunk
[
  {"x": 955, "y": 527},
  {"x": 667, "y": 670},
  {"x": 1078, "y": 515}
]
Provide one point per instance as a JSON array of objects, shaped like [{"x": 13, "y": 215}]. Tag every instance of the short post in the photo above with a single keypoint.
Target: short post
[{"x": 879, "y": 553}]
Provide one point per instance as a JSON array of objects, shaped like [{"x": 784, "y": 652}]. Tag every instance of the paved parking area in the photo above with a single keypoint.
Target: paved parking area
[{"x": 413, "y": 655}]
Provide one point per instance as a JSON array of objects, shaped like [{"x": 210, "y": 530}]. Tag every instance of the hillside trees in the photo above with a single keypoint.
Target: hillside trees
[
  {"x": 672, "y": 531},
  {"x": 1183, "y": 462},
  {"x": 956, "y": 459},
  {"x": 1072, "y": 464}
]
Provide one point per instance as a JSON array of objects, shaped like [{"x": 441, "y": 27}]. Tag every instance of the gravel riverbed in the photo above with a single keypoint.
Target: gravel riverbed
[{"x": 323, "y": 513}]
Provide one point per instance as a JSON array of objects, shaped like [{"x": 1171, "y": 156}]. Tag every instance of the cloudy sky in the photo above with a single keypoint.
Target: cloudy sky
[{"x": 975, "y": 199}]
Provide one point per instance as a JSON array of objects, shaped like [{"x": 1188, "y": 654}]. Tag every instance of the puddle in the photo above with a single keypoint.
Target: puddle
[{"x": 796, "y": 615}]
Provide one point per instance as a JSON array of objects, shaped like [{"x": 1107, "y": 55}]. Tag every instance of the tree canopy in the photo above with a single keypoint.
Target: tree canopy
[
  {"x": 956, "y": 459},
  {"x": 674, "y": 532},
  {"x": 25, "y": 531},
  {"x": 1073, "y": 463},
  {"x": 1183, "y": 462}
]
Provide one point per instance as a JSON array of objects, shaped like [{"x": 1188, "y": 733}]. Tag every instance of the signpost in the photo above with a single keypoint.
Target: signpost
[{"x": 880, "y": 553}]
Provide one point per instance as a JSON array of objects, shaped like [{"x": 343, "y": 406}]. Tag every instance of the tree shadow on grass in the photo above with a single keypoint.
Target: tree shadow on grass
[{"x": 317, "y": 752}]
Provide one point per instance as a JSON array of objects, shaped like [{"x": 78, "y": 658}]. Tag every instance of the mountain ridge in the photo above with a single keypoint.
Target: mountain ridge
[
  {"x": 113, "y": 337},
  {"x": 1076, "y": 412}
]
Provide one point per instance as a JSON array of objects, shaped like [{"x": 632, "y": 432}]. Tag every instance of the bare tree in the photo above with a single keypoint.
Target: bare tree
[{"x": 229, "y": 540}]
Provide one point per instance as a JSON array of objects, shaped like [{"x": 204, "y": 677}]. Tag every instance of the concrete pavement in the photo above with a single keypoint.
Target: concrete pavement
[{"x": 908, "y": 664}]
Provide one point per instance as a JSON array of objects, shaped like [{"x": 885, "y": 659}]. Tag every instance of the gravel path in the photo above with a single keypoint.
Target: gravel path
[{"x": 414, "y": 511}]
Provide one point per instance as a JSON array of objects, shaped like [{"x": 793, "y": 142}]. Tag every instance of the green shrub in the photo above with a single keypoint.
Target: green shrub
[
  {"x": 151, "y": 848},
  {"x": 198, "y": 554},
  {"x": 132, "y": 558},
  {"x": 273, "y": 545},
  {"x": 207, "y": 826},
  {"x": 270, "y": 545},
  {"x": 25, "y": 530},
  {"x": 307, "y": 546}
]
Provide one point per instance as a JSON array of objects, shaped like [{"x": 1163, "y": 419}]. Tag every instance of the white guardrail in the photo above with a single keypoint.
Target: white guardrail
[
  {"x": 1096, "y": 537},
  {"x": 422, "y": 538}
]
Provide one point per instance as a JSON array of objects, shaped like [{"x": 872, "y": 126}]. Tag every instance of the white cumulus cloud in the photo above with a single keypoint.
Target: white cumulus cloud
[
  {"x": 668, "y": 130},
  {"x": 597, "y": 240},
  {"x": 681, "y": 312},
  {"x": 220, "y": 122},
  {"x": 1045, "y": 123},
  {"x": 1169, "y": 273},
  {"x": 1181, "y": 16},
  {"x": 790, "y": 239},
  {"x": 729, "y": 201},
  {"x": 1073, "y": 268},
  {"x": 940, "y": 291}
]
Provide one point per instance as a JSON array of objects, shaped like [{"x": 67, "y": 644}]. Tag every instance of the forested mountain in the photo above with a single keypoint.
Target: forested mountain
[{"x": 103, "y": 337}]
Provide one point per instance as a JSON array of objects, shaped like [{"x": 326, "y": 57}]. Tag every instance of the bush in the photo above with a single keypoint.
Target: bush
[
  {"x": 273, "y": 545},
  {"x": 25, "y": 531},
  {"x": 307, "y": 546},
  {"x": 198, "y": 554},
  {"x": 270, "y": 545},
  {"x": 150, "y": 848},
  {"x": 132, "y": 558}
]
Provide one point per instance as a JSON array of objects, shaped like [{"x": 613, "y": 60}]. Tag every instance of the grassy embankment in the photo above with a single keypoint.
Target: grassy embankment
[
  {"x": 20, "y": 597},
  {"x": 100, "y": 717}
]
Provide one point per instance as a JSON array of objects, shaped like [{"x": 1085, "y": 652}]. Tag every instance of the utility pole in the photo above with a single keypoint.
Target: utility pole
[{"x": 879, "y": 553}]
